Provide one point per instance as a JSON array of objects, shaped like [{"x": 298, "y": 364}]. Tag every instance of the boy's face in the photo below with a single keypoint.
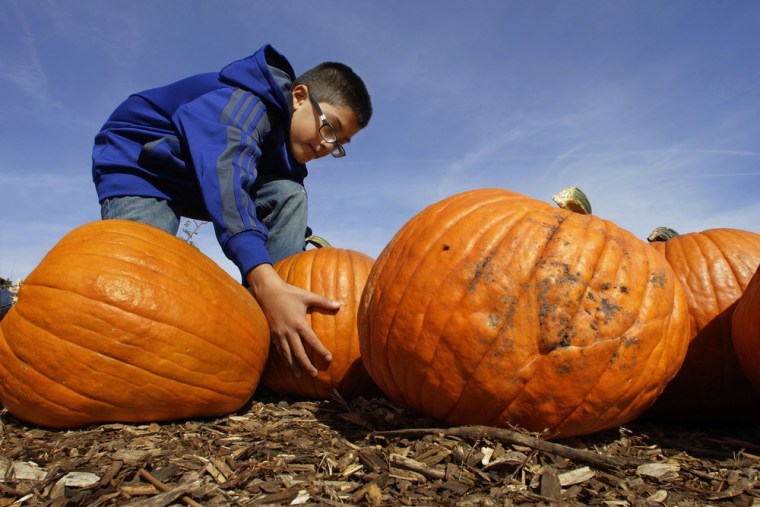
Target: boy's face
[{"x": 305, "y": 141}]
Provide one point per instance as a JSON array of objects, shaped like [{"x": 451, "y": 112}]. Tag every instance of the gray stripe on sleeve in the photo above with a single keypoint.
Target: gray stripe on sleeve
[{"x": 236, "y": 213}]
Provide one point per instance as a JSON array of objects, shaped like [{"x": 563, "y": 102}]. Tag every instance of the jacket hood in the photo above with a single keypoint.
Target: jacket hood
[{"x": 254, "y": 74}]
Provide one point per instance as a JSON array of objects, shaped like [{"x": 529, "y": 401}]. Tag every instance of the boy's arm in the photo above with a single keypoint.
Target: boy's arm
[
  {"x": 225, "y": 151},
  {"x": 285, "y": 307}
]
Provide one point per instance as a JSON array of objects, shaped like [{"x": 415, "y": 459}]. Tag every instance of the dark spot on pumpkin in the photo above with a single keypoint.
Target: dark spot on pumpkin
[
  {"x": 658, "y": 279},
  {"x": 446, "y": 247},
  {"x": 624, "y": 289},
  {"x": 506, "y": 346},
  {"x": 606, "y": 286},
  {"x": 594, "y": 326},
  {"x": 547, "y": 345},
  {"x": 608, "y": 310},
  {"x": 481, "y": 269},
  {"x": 590, "y": 296},
  {"x": 563, "y": 274},
  {"x": 510, "y": 304},
  {"x": 552, "y": 227},
  {"x": 631, "y": 342},
  {"x": 544, "y": 311},
  {"x": 563, "y": 340},
  {"x": 563, "y": 369}
]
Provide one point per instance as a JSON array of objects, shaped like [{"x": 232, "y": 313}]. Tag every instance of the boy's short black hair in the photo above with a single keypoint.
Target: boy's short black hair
[{"x": 337, "y": 84}]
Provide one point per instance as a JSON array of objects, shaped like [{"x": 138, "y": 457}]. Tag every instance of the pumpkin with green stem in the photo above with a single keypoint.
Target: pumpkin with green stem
[
  {"x": 490, "y": 307},
  {"x": 122, "y": 322},
  {"x": 715, "y": 267},
  {"x": 339, "y": 274}
]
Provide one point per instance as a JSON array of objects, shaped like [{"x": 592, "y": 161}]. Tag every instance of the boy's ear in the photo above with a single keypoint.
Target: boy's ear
[{"x": 300, "y": 95}]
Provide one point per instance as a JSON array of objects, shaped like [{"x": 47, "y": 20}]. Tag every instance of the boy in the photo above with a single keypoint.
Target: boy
[
  {"x": 231, "y": 148},
  {"x": 6, "y": 297}
]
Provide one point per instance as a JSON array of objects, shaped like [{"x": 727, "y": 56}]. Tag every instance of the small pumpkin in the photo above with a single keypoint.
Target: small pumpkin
[
  {"x": 122, "y": 322},
  {"x": 339, "y": 274},
  {"x": 746, "y": 331},
  {"x": 490, "y": 307},
  {"x": 715, "y": 267}
]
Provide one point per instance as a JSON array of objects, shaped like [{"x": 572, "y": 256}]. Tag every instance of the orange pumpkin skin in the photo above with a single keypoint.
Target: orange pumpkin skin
[
  {"x": 493, "y": 308},
  {"x": 745, "y": 331},
  {"x": 122, "y": 322},
  {"x": 715, "y": 267},
  {"x": 339, "y": 274}
]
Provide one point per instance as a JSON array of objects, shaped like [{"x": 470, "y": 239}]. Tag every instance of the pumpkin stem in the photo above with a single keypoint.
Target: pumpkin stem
[
  {"x": 317, "y": 241},
  {"x": 573, "y": 199},
  {"x": 661, "y": 234}
]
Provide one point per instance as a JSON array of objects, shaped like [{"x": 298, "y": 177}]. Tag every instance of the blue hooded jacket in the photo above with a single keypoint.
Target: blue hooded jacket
[{"x": 201, "y": 143}]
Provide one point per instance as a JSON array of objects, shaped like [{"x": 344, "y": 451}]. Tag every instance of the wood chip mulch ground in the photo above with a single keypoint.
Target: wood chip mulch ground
[{"x": 370, "y": 452}]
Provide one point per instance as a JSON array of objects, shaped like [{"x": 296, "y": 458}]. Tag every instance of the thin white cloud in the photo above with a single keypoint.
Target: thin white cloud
[
  {"x": 19, "y": 61},
  {"x": 653, "y": 116}
]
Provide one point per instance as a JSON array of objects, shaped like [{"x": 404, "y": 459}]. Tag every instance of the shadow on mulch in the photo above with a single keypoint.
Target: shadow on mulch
[{"x": 283, "y": 451}]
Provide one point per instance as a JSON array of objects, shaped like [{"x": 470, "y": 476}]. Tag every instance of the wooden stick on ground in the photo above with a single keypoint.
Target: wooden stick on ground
[
  {"x": 165, "y": 487},
  {"x": 514, "y": 437}
]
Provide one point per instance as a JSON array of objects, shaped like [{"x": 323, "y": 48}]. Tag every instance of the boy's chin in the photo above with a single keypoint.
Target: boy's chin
[{"x": 302, "y": 156}]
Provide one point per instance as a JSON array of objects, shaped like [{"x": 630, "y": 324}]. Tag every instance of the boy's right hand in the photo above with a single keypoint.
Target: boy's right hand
[{"x": 285, "y": 307}]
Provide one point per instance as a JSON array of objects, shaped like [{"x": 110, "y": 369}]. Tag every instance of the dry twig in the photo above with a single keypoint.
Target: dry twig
[
  {"x": 165, "y": 487},
  {"x": 514, "y": 437}
]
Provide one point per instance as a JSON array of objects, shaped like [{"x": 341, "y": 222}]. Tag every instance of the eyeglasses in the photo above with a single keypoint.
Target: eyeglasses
[{"x": 327, "y": 132}]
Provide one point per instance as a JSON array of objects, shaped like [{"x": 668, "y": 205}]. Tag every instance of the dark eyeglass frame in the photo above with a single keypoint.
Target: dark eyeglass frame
[{"x": 327, "y": 132}]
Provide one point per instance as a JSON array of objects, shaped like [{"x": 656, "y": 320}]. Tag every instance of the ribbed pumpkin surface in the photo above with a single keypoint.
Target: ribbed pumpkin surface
[
  {"x": 339, "y": 274},
  {"x": 714, "y": 266},
  {"x": 493, "y": 308},
  {"x": 746, "y": 331},
  {"x": 123, "y": 322}
]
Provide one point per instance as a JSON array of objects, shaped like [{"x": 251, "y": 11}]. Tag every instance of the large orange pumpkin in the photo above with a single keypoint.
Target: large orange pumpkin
[
  {"x": 745, "y": 331},
  {"x": 124, "y": 322},
  {"x": 714, "y": 267},
  {"x": 493, "y": 308},
  {"x": 339, "y": 274}
]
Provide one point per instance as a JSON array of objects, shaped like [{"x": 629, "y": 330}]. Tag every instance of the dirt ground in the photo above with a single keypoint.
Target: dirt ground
[{"x": 277, "y": 451}]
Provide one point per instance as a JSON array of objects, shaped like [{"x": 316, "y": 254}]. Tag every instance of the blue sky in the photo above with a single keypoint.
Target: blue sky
[{"x": 652, "y": 107}]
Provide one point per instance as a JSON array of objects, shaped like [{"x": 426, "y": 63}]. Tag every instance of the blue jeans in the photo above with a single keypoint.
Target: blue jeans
[
  {"x": 281, "y": 205},
  {"x": 6, "y": 301}
]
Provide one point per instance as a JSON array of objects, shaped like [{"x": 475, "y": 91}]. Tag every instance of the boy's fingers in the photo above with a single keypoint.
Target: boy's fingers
[
  {"x": 318, "y": 346},
  {"x": 310, "y": 339},
  {"x": 299, "y": 359},
  {"x": 323, "y": 302},
  {"x": 303, "y": 360},
  {"x": 296, "y": 369},
  {"x": 283, "y": 348}
]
